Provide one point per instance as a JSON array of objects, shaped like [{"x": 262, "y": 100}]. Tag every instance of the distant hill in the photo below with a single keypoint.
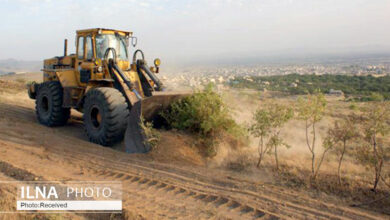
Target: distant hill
[{"x": 13, "y": 65}]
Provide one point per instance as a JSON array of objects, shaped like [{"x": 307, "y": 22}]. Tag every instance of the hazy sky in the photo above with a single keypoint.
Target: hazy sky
[{"x": 182, "y": 30}]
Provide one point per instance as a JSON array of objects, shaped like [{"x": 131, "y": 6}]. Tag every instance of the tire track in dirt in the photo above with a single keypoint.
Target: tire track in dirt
[
  {"x": 120, "y": 170},
  {"x": 223, "y": 204},
  {"x": 287, "y": 209},
  {"x": 165, "y": 191}
]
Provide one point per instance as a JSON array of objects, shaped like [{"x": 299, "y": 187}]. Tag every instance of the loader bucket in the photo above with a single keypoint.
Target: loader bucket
[{"x": 148, "y": 109}]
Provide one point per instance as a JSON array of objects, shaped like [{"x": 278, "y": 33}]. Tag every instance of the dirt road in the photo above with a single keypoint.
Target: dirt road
[{"x": 151, "y": 189}]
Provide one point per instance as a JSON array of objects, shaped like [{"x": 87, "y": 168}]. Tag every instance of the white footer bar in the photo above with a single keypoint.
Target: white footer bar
[{"x": 69, "y": 205}]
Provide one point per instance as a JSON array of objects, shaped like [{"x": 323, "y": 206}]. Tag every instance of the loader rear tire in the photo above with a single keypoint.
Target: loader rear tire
[
  {"x": 105, "y": 116},
  {"x": 48, "y": 105}
]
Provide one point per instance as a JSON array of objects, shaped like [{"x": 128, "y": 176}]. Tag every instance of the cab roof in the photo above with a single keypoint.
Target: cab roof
[{"x": 107, "y": 30}]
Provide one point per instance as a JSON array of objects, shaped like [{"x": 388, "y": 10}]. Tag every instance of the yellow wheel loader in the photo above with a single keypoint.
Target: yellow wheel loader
[{"x": 99, "y": 81}]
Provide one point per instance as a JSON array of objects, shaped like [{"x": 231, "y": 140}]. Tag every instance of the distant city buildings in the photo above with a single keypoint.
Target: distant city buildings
[{"x": 197, "y": 77}]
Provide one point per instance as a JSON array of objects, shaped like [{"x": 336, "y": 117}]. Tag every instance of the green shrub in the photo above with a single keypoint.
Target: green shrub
[
  {"x": 377, "y": 97},
  {"x": 353, "y": 106},
  {"x": 205, "y": 114},
  {"x": 152, "y": 135}
]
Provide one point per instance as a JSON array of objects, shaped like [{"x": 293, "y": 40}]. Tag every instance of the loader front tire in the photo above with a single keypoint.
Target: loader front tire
[
  {"x": 48, "y": 105},
  {"x": 105, "y": 116}
]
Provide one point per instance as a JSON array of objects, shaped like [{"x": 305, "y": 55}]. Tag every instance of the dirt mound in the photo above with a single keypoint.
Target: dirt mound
[
  {"x": 176, "y": 147},
  {"x": 183, "y": 148}
]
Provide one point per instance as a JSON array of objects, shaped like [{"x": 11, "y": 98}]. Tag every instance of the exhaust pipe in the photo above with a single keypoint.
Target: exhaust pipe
[{"x": 66, "y": 47}]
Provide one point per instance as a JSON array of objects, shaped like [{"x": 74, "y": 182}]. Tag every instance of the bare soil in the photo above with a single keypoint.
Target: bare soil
[{"x": 174, "y": 181}]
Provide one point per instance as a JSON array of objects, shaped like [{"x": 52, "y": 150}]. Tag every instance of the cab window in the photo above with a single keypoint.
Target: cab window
[
  {"x": 122, "y": 50},
  {"x": 80, "y": 49},
  {"x": 89, "y": 48},
  {"x": 117, "y": 42}
]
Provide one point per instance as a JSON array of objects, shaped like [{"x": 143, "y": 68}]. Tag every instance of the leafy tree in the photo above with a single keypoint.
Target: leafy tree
[
  {"x": 267, "y": 125},
  {"x": 311, "y": 110},
  {"x": 343, "y": 131},
  {"x": 261, "y": 129}
]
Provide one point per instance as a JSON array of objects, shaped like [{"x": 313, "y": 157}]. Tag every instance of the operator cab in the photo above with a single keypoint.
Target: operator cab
[{"x": 92, "y": 44}]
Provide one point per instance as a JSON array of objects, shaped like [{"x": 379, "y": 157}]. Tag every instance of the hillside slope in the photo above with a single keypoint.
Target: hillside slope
[{"x": 155, "y": 186}]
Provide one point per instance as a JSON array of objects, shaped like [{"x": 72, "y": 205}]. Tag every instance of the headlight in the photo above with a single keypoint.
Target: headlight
[
  {"x": 100, "y": 69},
  {"x": 157, "y": 62}
]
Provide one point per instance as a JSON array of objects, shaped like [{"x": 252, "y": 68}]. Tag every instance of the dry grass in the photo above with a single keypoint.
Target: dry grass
[
  {"x": 354, "y": 191},
  {"x": 240, "y": 163},
  {"x": 11, "y": 86},
  {"x": 357, "y": 180},
  {"x": 294, "y": 173},
  {"x": 16, "y": 92},
  {"x": 33, "y": 76}
]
